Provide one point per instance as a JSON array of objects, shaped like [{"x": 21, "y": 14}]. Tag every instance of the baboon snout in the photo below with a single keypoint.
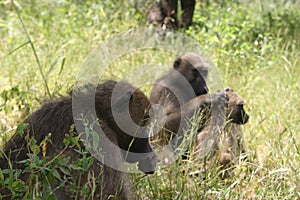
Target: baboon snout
[
  {"x": 206, "y": 90},
  {"x": 245, "y": 118},
  {"x": 240, "y": 117},
  {"x": 148, "y": 165},
  {"x": 146, "y": 157}
]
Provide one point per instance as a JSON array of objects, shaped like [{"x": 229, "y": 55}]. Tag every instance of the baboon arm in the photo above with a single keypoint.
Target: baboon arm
[
  {"x": 186, "y": 111},
  {"x": 193, "y": 105},
  {"x": 189, "y": 109}
]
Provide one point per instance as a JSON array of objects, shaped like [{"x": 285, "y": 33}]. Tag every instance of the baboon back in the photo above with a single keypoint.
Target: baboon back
[{"x": 56, "y": 118}]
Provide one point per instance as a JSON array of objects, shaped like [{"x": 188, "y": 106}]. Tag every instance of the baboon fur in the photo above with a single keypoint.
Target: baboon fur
[
  {"x": 164, "y": 13},
  {"x": 231, "y": 143},
  {"x": 56, "y": 117}
]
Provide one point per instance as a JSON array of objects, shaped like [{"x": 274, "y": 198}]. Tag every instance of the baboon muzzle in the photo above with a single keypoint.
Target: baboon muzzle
[
  {"x": 245, "y": 118},
  {"x": 146, "y": 161}
]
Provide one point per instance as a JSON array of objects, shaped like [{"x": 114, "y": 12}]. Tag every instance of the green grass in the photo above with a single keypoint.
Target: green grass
[{"x": 254, "y": 44}]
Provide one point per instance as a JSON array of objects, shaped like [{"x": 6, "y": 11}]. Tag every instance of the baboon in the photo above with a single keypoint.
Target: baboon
[
  {"x": 231, "y": 143},
  {"x": 180, "y": 93},
  {"x": 165, "y": 12},
  {"x": 56, "y": 117}
]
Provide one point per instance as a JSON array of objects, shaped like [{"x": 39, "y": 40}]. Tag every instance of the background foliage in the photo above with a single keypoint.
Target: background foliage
[{"x": 255, "y": 45}]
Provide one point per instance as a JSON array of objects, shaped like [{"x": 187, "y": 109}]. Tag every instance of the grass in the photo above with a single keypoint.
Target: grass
[{"x": 254, "y": 45}]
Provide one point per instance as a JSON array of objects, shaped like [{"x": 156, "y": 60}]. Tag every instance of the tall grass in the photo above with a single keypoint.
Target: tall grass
[{"x": 254, "y": 44}]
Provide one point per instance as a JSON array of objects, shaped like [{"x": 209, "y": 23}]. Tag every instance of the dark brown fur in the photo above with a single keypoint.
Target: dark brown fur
[
  {"x": 192, "y": 93},
  {"x": 164, "y": 13},
  {"x": 231, "y": 143},
  {"x": 56, "y": 117}
]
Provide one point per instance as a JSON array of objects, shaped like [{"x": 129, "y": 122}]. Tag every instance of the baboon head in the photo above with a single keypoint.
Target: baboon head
[
  {"x": 126, "y": 111},
  {"x": 235, "y": 111},
  {"x": 195, "y": 70}
]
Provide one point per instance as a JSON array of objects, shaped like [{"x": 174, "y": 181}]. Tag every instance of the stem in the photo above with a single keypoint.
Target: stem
[{"x": 34, "y": 51}]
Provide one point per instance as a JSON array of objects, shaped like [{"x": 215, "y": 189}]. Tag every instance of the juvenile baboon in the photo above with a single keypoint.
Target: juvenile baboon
[
  {"x": 180, "y": 93},
  {"x": 56, "y": 117},
  {"x": 231, "y": 143}
]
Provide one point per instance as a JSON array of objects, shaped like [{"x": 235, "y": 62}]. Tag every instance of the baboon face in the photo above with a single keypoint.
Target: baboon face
[
  {"x": 195, "y": 70},
  {"x": 236, "y": 112},
  {"x": 138, "y": 115},
  {"x": 132, "y": 135},
  {"x": 138, "y": 109}
]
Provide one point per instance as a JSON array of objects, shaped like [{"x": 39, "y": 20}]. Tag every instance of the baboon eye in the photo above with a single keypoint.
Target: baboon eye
[{"x": 196, "y": 73}]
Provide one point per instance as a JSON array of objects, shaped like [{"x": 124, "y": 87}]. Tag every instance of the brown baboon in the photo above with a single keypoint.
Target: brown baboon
[
  {"x": 165, "y": 12},
  {"x": 56, "y": 117},
  {"x": 180, "y": 93},
  {"x": 231, "y": 143}
]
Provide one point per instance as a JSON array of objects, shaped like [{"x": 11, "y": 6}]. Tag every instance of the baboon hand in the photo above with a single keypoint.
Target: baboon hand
[{"x": 219, "y": 98}]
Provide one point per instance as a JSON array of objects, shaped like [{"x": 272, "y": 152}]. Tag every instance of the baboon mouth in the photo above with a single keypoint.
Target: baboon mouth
[
  {"x": 146, "y": 168},
  {"x": 245, "y": 119},
  {"x": 148, "y": 165},
  {"x": 201, "y": 92},
  {"x": 152, "y": 172}
]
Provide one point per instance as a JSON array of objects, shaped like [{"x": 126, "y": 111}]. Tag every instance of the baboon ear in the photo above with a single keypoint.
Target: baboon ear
[
  {"x": 177, "y": 63},
  {"x": 123, "y": 102},
  {"x": 228, "y": 90}
]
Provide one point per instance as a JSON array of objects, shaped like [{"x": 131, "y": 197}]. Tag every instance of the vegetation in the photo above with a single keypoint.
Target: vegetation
[{"x": 254, "y": 44}]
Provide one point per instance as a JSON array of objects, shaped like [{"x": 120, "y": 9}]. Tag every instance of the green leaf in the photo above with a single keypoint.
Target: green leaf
[
  {"x": 55, "y": 173},
  {"x": 19, "y": 47},
  {"x": 1, "y": 176},
  {"x": 62, "y": 65},
  {"x": 34, "y": 148},
  {"x": 18, "y": 185},
  {"x": 63, "y": 59},
  {"x": 21, "y": 128},
  {"x": 95, "y": 140},
  {"x": 65, "y": 170}
]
